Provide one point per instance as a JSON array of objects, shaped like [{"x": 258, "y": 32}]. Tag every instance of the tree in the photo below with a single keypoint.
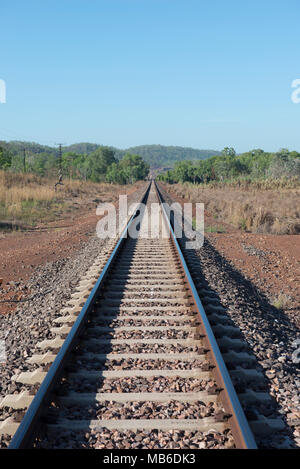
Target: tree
[
  {"x": 5, "y": 158},
  {"x": 182, "y": 171},
  {"x": 228, "y": 151},
  {"x": 98, "y": 163},
  {"x": 134, "y": 168},
  {"x": 129, "y": 170},
  {"x": 68, "y": 163},
  {"x": 115, "y": 175},
  {"x": 284, "y": 166}
]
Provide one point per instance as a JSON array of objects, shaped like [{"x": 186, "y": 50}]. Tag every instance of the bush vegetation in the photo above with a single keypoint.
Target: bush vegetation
[
  {"x": 227, "y": 167},
  {"x": 99, "y": 165},
  {"x": 255, "y": 191},
  {"x": 155, "y": 155}
]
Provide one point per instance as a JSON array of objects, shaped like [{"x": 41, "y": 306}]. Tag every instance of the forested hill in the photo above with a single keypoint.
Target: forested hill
[
  {"x": 154, "y": 155},
  {"x": 160, "y": 155}
]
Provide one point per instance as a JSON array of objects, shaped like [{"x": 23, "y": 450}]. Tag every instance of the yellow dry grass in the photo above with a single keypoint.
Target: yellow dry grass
[
  {"x": 255, "y": 209},
  {"x": 28, "y": 198}
]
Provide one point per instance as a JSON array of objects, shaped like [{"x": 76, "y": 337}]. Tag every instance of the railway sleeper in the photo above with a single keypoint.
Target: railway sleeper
[
  {"x": 83, "y": 399},
  {"x": 184, "y": 317},
  {"x": 218, "y": 318},
  {"x": 159, "y": 264},
  {"x": 204, "y": 424},
  {"x": 135, "y": 295},
  {"x": 164, "y": 277},
  {"x": 141, "y": 301},
  {"x": 141, "y": 309},
  {"x": 133, "y": 287},
  {"x": 142, "y": 258},
  {"x": 97, "y": 374},
  {"x": 264, "y": 426},
  {"x": 23, "y": 400},
  {"x": 230, "y": 331},
  {"x": 70, "y": 319}
]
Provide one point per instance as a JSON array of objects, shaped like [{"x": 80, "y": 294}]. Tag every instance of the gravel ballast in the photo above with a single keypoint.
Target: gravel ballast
[
  {"x": 109, "y": 439},
  {"x": 50, "y": 289},
  {"x": 269, "y": 333}
]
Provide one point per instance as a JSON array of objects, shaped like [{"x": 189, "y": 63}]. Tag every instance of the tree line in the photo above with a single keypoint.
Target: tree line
[
  {"x": 253, "y": 164},
  {"x": 166, "y": 156},
  {"x": 154, "y": 155},
  {"x": 98, "y": 166}
]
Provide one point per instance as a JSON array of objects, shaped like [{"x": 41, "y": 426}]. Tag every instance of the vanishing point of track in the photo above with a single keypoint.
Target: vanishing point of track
[{"x": 137, "y": 353}]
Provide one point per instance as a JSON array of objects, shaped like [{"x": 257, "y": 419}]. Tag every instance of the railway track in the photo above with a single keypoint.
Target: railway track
[{"x": 136, "y": 361}]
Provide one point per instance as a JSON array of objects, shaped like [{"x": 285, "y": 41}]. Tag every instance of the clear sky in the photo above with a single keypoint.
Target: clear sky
[{"x": 205, "y": 74}]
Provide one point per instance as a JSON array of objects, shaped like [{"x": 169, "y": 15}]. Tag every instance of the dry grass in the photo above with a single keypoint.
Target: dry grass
[
  {"x": 251, "y": 184},
  {"x": 28, "y": 199},
  {"x": 282, "y": 301},
  {"x": 251, "y": 208}
]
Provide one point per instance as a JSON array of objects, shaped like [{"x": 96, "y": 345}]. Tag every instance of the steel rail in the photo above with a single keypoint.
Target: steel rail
[
  {"x": 30, "y": 422},
  {"x": 242, "y": 433},
  {"x": 29, "y": 426}
]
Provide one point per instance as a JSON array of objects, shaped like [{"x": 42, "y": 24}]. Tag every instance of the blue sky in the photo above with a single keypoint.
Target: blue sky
[{"x": 131, "y": 72}]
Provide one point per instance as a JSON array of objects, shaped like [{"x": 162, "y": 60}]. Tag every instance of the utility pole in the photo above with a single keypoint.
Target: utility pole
[
  {"x": 60, "y": 174},
  {"x": 59, "y": 156}
]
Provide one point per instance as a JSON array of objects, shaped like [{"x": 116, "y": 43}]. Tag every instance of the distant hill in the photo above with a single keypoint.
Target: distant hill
[
  {"x": 82, "y": 148},
  {"x": 160, "y": 155},
  {"x": 17, "y": 146},
  {"x": 155, "y": 155}
]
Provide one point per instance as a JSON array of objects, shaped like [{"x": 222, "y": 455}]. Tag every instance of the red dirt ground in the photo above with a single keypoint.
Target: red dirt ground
[
  {"x": 276, "y": 272},
  {"x": 21, "y": 252}
]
